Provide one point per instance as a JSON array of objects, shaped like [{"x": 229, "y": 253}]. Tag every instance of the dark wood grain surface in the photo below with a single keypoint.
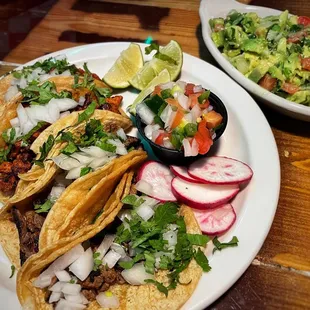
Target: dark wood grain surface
[{"x": 279, "y": 277}]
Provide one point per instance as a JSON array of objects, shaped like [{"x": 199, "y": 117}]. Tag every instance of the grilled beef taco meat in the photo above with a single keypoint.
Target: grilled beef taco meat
[
  {"x": 34, "y": 109},
  {"x": 147, "y": 253},
  {"x": 78, "y": 188}
]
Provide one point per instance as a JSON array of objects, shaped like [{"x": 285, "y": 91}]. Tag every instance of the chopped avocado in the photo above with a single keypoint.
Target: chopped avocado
[
  {"x": 241, "y": 63},
  {"x": 254, "y": 45},
  {"x": 216, "y": 21},
  {"x": 259, "y": 71},
  {"x": 291, "y": 64},
  {"x": 250, "y": 22},
  {"x": 261, "y": 32},
  {"x": 293, "y": 20},
  {"x": 283, "y": 19},
  {"x": 281, "y": 48},
  {"x": 306, "y": 51},
  {"x": 276, "y": 73},
  {"x": 234, "y": 17},
  {"x": 302, "y": 97},
  {"x": 232, "y": 52},
  {"x": 218, "y": 38}
]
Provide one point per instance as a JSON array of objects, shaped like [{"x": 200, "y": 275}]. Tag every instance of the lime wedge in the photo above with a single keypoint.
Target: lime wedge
[
  {"x": 125, "y": 67},
  {"x": 162, "y": 77},
  {"x": 152, "y": 68}
]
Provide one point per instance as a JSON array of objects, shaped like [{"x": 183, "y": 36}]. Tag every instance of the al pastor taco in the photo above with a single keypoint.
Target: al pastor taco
[
  {"x": 34, "y": 109},
  {"x": 144, "y": 254}
]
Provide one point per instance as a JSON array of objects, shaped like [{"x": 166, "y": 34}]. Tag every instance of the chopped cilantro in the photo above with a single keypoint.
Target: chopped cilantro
[
  {"x": 220, "y": 246},
  {"x": 149, "y": 263},
  {"x": 85, "y": 171},
  {"x": 87, "y": 113},
  {"x": 70, "y": 148},
  {"x": 45, "y": 149},
  {"x": 202, "y": 260},
  {"x": 166, "y": 213},
  {"x": 97, "y": 262},
  {"x": 12, "y": 271},
  {"x": 9, "y": 135},
  {"x": 45, "y": 207},
  {"x": 196, "y": 239},
  {"x": 159, "y": 286},
  {"x": 66, "y": 136},
  {"x": 4, "y": 152}
]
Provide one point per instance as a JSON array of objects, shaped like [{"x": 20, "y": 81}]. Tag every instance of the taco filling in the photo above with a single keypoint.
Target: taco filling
[
  {"x": 147, "y": 237},
  {"x": 93, "y": 149},
  {"x": 42, "y": 105}
]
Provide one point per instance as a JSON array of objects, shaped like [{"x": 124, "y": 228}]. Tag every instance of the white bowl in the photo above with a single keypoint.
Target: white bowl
[{"x": 220, "y": 8}]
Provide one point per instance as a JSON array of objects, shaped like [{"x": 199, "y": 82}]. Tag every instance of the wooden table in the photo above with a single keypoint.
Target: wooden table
[{"x": 279, "y": 277}]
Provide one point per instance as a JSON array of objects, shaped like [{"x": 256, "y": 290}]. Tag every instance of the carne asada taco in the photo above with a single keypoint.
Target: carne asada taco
[
  {"x": 34, "y": 109},
  {"x": 147, "y": 254},
  {"x": 73, "y": 190}
]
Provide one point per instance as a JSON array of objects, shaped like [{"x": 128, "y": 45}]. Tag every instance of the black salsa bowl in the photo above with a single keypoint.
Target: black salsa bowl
[{"x": 175, "y": 157}]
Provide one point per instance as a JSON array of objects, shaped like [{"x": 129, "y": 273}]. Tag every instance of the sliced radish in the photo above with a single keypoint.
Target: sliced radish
[
  {"x": 183, "y": 174},
  {"x": 220, "y": 170},
  {"x": 203, "y": 196},
  {"x": 159, "y": 177},
  {"x": 216, "y": 221}
]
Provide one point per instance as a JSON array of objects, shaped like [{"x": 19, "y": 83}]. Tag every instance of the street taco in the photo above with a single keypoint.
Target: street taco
[
  {"x": 62, "y": 201},
  {"x": 147, "y": 254},
  {"x": 34, "y": 109}
]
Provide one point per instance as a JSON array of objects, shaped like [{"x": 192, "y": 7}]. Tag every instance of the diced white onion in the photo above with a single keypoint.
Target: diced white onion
[
  {"x": 149, "y": 129},
  {"x": 71, "y": 289},
  {"x": 182, "y": 85},
  {"x": 197, "y": 89},
  {"x": 43, "y": 281},
  {"x": 11, "y": 92},
  {"x": 105, "y": 300},
  {"x": 155, "y": 134},
  {"x": 145, "y": 212},
  {"x": 65, "y": 162},
  {"x": 189, "y": 117},
  {"x": 99, "y": 162},
  {"x": 187, "y": 148},
  {"x": 111, "y": 258},
  {"x": 23, "y": 82},
  {"x": 55, "y": 296},
  {"x": 63, "y": 275},
  {"x": 146, "y": 115},
  {"x": 55, "y": 193},
  {"x": 166, "y": 113},
  {"x": 171, "y": 237},
  {"x": 118, "y": 249},
  {"x": 67, "y": 305},
  {"x": 167, "y": 143},
  {"x": 82, "y": 158},
  {"x": 65, "y": 73},
  {"x": 81, "y": 100},
  {"x": 144, "y": 187},
  {"x": 166, "y": 85},
  {"x": 95, "y": 151},
  {"x": 121, "y": 133},
  {"x": 14, "y": 122},
  {"x": 105, "y": 245},
  {"x": 57, "y": 287},
  {"x": 170, "y": 120},
  {"x": 120, "y": 148},
  {"x": 149, "y": 201},
  {"x": 136, "y": 275},
  {"x": 24, "y": 121},
  {"x": 63, "y": 104},
  {"x": 79, "y": 298},
  {"x": 183, "y": 101},
  {"x": 83, "y": 266},
  {"x": 123, "y": 214},
  {"x": 194, "y": 147},
  {"x": 74, "y": 173},
  {"x": 196, "y": 112}
]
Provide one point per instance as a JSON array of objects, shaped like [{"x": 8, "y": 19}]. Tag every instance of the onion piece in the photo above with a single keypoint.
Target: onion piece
[
  {"x": 111, "y": 258},
  {"x": 63, "y": 275},
  {"x": 55, "y": 193},
  {"x": 81, "y": 100},
  {"x": 55, "y": 296},
  {"x": 194, "y": 147},
  {"x": 121, "y": 133},
  {"x": 183, "y": 101},
  {"x": 120, "y": 148},
  {"x": 145, "y": 212},
  {"x": 11, "y": 92},
  {"x": 63, "y": 104},
  {"x": 182, "y": 85},
  {"x": 65, "y": 73},
  {"x": 83, "y": 266},
  {"x": 79, "y": 298},
  {"x": 196, "y": 112},
  {"x": 57, "y": 287},
  {"x": 107, "y": 300},
  {"x": 171, "y": 237},
  {"x": 65, "y": 162},
  {"x": 189, "y": 117},
  {"x": 149, "y": 129},
  {"x": 95, "y": 151},
  {"x": 67, "y": 305},
  {"x": 136, "y": 275},
  {"x": 15, "y": 122},
  {"x": 166, "y": 113},
  {"x": 145, "y": 113},
  {"x": 71, "y": 289},
  {"x": 118, "y": 249},
  {"x": 74, "y": 173},
  {"x": 149, "y": 201},
  {"x": 155, "y": 134},
  {"x": 99, "y": 162},
  {"x": 83, "y": 159},
  {"x": 105, "y": 245},
  {"x": 170, "y": 120},
  {"x": 61, "y": 263},
  {"x": 144, "y": 187},
  {"x": 197, "y": 89},
  {"x": 187, "y": 148},
  {"x": 124, "y": 214}
]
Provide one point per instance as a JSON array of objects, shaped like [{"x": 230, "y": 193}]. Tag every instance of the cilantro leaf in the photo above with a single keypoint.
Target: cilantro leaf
[
  {"x": 27, "y": 136},
  {"x": 45, "y": 207},
  {"x": 9, "y": 135},
  {"x": 166, "y": 213},
  {"x": 220, "y": 246},
  {"x": 202, "y": 260},
  {"x": 197, "y": 239},
  {"x": 129, "y": 264},
  {"x": 69, "y": 149},
  {"x": 45, "y": 149},
  {"x": 13, "y": 268},
  {"x": 149, "y": 263},
  {"x": 130, "y": 200},
  {"x": 85, "y": 170},
  {"x": 159, "y": 286},
  {"x": 97, "y": 262},
  {"x": 87, "y": 113}
]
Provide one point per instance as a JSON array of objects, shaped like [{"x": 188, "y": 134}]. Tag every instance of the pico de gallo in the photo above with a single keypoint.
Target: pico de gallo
[{"x": 180, "y": 116}]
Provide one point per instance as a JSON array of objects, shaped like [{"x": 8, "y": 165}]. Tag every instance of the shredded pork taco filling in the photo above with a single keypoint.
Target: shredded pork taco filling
[
  {"x": 147, "y": 236},
  {"x": 40, "y": 106}
]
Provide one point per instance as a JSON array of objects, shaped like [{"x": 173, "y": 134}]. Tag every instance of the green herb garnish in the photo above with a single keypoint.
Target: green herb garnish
[
  {"x": 87, "y": 113},
  {"x": 97, "y": 262},
  {"x": 159, "y": 286},
  {"x": 45, "y": 149},
  {"x": 85, "y": 171},
  {"x": 220, "y": 246},
  {"x": 45, "y": 207},
  {"x": 197, "y": 239},
  {"x": 204, "y": 96},
  {"x": 13, "y": 268}
]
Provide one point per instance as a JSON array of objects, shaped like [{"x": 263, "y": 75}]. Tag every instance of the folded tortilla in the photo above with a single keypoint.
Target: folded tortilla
[{"x": 130, "y": 297}]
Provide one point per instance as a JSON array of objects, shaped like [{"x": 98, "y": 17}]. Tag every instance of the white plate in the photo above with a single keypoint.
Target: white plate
[
  {"x": 215, "y": 8},
  {"x": 248, "y": 138}
]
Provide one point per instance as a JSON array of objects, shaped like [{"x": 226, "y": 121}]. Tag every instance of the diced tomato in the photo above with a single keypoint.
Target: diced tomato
[
  {"x": 304, "y": 20},
  {"x": 157, "y": 91},
  {"x": 290, "y": 88},
  {"x": 194, "y": 99},
  {"x": 174, "y": 103},
  {"x": 268, "y": 82},
  {"x": 205, "y": 104},
  {"x": 177, "y": 119},
  {"x": 203, "y": 138},
  {"x": 305, "y": 63},
  {"x": 218, "y": 27},
  {"x": 189, "y": 89},
  {"x": 160, "y": 139},
  {"x": 213, "y": 119}
]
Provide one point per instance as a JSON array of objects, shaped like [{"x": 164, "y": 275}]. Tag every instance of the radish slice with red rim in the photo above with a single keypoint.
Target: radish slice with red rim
[
  {"x": 159, "y": 177},
  {"x": 203, "y": 196},
  {"x": 216, "y": 221},
  {"x": 220, "y": 170},
  {"x": 183, "y": 174}
]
